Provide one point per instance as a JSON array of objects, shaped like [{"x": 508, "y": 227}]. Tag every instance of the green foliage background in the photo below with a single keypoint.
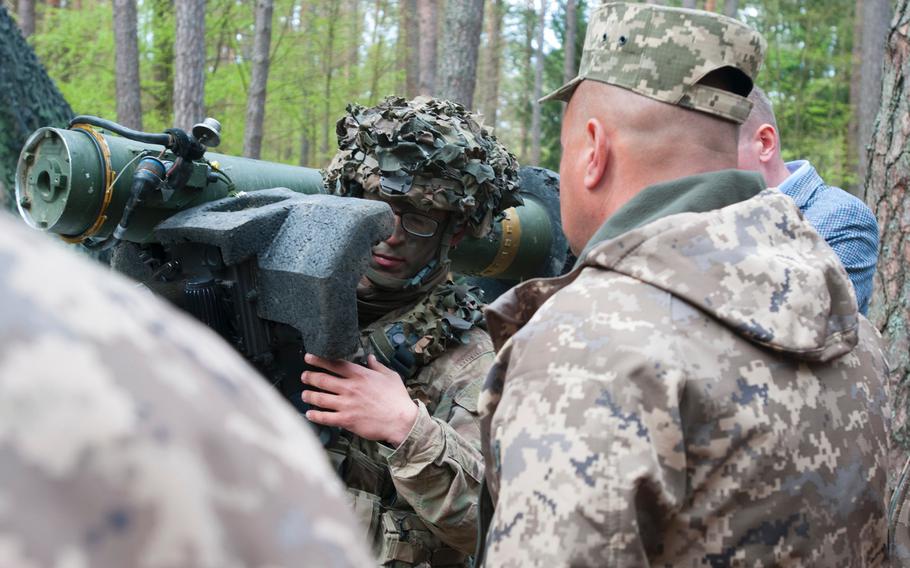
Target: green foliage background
[{"x": 353, "y": 48}]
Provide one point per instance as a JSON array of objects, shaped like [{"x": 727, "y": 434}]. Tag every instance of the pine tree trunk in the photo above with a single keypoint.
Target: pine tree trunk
[
  {"x": 688, "y": 4},
  {"x": 126, "y": 61},
  {"x": 26, "y": 13},
  {"x": 489, "y": 85},
  {"x": 538, "y": 86},
  {"x": 328, "y": 70},
  {"x": 569, "y": 70},
  {"x": 255, "y": 102},
  {"x": 189, "y": 67},
  {"x": 887, "y": 180},
  {"x": 411, "y": 52},
  {"x": 162, "y": 90},
  {"x": 866, "y": 84},
  {"x": 28, "y": 100},
  {"x": 731, "y": 7},
  {"x": 460, "y": 44},
  {"x": 427, "y": 24}
]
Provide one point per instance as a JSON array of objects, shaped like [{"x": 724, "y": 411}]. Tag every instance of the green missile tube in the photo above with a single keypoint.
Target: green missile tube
[{"x": 75, "y": 182}]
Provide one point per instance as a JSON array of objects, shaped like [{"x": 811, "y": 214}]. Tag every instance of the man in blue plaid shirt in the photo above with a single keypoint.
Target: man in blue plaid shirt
[{"x": 844, "y": 221}]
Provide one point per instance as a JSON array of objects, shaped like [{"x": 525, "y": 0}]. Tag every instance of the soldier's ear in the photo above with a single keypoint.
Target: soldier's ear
[
  {"x": 597, "y": 152},
  {"x": 769, "y": 142}
]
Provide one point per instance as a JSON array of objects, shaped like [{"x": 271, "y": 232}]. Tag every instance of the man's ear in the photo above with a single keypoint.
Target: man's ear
[
  {"x": 766, "y": 137},
  {"x": 596, "y": 153}
]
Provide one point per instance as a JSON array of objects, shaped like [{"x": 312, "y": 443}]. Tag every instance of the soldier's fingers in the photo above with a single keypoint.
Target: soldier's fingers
[
  {"x": 324, "y": 418},
  {"x": 374, "y": 364},
  {"x": 341, "y": 368},
  {"x": 322, "y": 400},
  {"x": 323, "y": 381}
]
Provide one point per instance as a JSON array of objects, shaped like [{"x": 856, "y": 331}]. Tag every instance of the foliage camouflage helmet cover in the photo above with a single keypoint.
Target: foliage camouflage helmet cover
[
  {"x": 429, "y": 152},
  {"x": 671, "y": 55}
]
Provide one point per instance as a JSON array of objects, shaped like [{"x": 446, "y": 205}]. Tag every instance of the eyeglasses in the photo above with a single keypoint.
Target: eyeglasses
[{"x": 417, "y": 224}]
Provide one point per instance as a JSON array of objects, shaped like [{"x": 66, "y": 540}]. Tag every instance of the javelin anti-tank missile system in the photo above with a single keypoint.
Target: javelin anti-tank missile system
[{"x": 271, "y": 270}]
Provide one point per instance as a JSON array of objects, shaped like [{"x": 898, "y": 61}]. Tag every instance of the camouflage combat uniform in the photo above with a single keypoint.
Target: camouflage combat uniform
[
  {"x": 130, "y": 436},
  {"x": 419, "y": 502},
  {"x": 697, "y": 391},
  {"x": 700, "y": 389}
]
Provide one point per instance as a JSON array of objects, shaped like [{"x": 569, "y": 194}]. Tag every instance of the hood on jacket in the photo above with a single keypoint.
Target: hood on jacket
[{"x": 756, "y": 266}]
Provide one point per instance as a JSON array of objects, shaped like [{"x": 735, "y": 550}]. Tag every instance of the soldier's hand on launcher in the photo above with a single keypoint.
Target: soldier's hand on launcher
[{"x": 370, "y": 401}]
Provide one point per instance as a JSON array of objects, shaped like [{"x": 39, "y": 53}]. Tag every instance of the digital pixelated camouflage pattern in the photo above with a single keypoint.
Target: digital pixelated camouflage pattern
[
  {"x": 663, "y": 53},
  {"x": 455, "y": 162},
  {"x": 899, "y": 518},
  {"x": 699, "y": 391},
  {"x": 429, "y": 486},
  {"x": 130, "y": 436}
]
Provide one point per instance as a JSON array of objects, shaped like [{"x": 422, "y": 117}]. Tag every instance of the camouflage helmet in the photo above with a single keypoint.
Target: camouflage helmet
[{"x": 432, "y": 153}]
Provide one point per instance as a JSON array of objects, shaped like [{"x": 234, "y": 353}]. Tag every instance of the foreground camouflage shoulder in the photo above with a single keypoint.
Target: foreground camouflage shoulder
[{"x": 130, "y": 436}]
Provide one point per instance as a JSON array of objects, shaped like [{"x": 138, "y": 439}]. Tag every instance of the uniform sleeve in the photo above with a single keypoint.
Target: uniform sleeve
[
  {"x": 439, "y": 466},
  {"x": 587, "y": 450}
]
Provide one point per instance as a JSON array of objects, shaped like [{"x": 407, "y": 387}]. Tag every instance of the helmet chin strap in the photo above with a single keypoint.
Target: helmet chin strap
[{"x": 427, "y": 274}]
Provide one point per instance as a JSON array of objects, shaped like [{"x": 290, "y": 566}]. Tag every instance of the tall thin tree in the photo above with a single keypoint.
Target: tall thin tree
[
  {"x": 126, "y": 62},
  {"x": 255, "y": 101},
  {"x": 427, "y": 25},
  {"x": 887, "y": 180},
  {"x": 538, "y": 85},
  {"x": 460, "y": 46},
  {"x": 411, "y": 52},
  {"x": 189, "y": 67},
  {"x": 568, "y": 66},
  {"x": 26, "y": 13},
  {"x": 489, "y": 86}
]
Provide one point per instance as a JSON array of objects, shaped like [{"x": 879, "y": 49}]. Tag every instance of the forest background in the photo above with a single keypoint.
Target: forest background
[{"x": 321, "y": 55}]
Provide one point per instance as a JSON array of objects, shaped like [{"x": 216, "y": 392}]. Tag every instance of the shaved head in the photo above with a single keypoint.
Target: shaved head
[{"x": 617, "y": 142}]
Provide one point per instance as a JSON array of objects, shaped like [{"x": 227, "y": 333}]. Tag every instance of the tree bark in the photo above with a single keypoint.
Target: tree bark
[
  {"x": 461, "y": 41},
  {"x": 189, "y": 67},
  {"x": 328, "y": 70},
  {"x": 688, "y": 4},
  {"x": 26, "y": 13},
  {"x": 126, "y": 62},
  {"x": 411, "y": 34},
  {"x": 255, "y": 101},
  {"x": 731, "y": 7},
  {"x": 874, "y": 18},
  {"x": 162, "y": 88},
  {"x": 538, "y": 85},
  {"x": 28, "y": 100},
  {"x": 887, "y": 180},
  {"x": 489, "y": 85},
  {"x": 710, "y": 5},
  {"x": 568, "y": 69},
  {"x": 427, "y": 24}
]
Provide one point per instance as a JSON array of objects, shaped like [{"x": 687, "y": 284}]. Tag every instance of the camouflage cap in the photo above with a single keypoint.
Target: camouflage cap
[
  {"x": 672, "y": 55},
  {"x": 429, "y": 152}
]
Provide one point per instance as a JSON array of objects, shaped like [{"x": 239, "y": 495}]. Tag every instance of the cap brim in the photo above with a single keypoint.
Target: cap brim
[{"x": 563, "y": 93}]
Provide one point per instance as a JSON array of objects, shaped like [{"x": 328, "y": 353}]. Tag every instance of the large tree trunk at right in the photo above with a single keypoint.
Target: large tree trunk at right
[
  {"x": 189, "y": 68},
  {"x": 255, "y": 102},
  {"x": 126, "y": 62},
  {"x": 427, "y": 25},
  {"x": 28, "y": 100},
  {"x": 887, "y": 181},
  {"x": 26, "y": 13},
  {"x": 460, "y": 44}
]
